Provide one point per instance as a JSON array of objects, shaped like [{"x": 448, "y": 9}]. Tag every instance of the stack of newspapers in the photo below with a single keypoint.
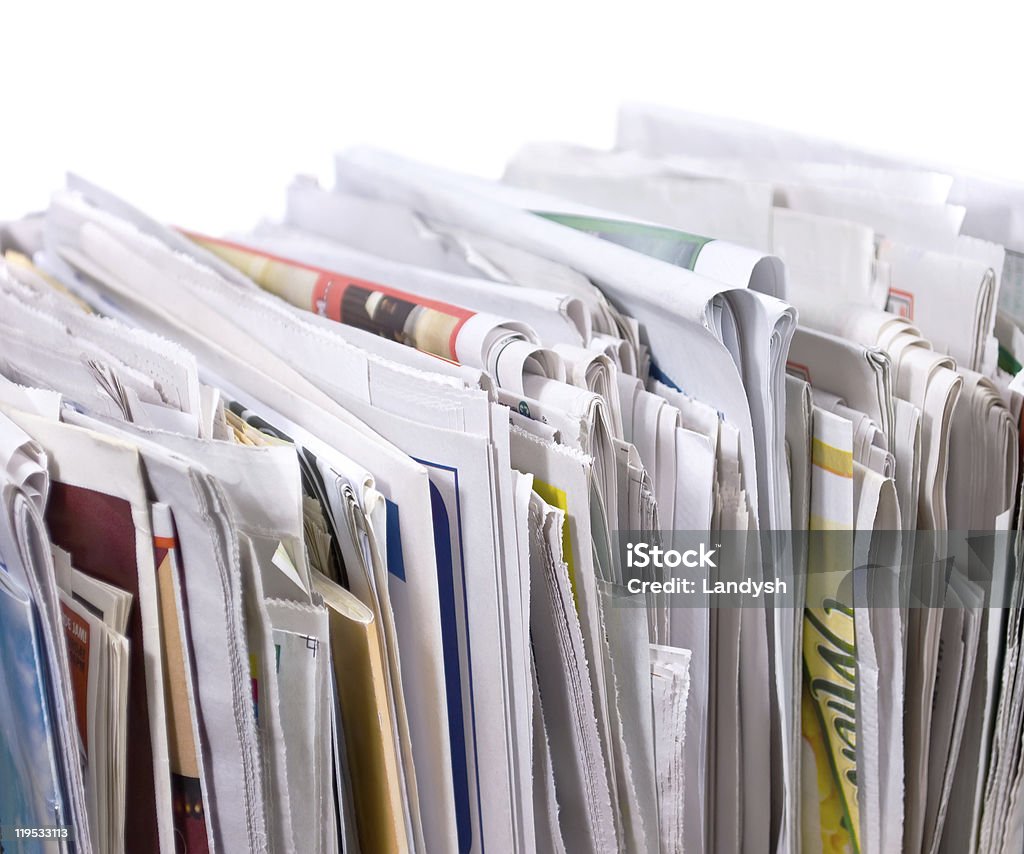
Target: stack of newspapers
[{"x": 652, "y": 500}]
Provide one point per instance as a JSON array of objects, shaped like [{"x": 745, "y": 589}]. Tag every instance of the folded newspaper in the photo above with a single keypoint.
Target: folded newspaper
[{"x": 651, "y": 500}]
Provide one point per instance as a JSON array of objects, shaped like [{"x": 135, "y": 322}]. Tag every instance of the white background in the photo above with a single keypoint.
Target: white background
[{"x": 201, "y": 112}]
